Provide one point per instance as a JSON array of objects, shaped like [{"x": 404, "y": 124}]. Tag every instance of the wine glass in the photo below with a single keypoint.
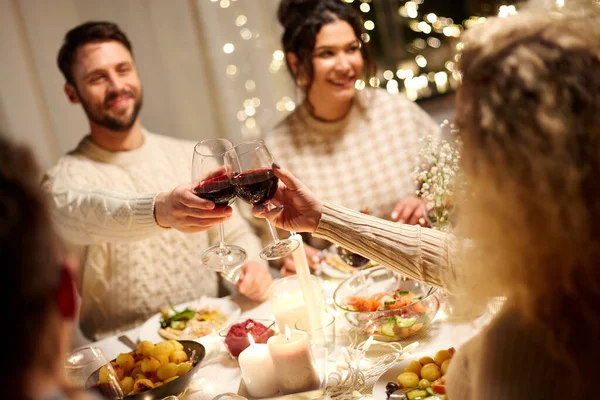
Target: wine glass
[
  {"x": 255, "y": 183},
  {"x": 212, "y": 182},
  {"x": 83, "y": 362}
]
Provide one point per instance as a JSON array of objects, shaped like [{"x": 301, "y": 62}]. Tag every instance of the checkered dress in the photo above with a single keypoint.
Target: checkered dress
[{"x": 363, "y": 160}]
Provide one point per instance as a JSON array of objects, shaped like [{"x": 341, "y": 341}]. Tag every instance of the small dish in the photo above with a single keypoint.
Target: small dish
[{"x": 235, "y": 337}]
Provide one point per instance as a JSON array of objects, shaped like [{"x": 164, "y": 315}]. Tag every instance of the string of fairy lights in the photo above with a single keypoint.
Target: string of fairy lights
[{"x": 416, "y": 77}]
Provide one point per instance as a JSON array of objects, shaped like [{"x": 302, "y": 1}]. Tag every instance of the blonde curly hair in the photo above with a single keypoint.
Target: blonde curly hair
[{"x": 529, "y": 115}]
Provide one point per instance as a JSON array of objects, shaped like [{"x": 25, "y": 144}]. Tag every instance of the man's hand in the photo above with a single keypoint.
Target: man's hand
[
  {"x": 254, "y": 281},
  {"x": 313, "y": 255},
  {"x": 409, "y": 210},
  {"x": 181, "y": 209}
]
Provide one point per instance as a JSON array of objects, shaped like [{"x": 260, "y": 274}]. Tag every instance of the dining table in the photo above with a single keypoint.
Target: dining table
[{"x": 220, "y": 373}]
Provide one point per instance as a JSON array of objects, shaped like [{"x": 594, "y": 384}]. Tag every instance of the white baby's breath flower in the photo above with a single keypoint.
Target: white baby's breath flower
[{"x": 436, "y": 174}]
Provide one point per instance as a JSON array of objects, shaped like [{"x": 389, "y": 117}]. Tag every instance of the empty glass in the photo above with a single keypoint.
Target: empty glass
[
  {"x": 83, "y": 362},
  {"x": 322, "y": 335}
]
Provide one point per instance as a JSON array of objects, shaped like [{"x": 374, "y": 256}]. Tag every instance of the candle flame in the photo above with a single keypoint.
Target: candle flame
[
  {"x": 251, "y": 340},
  {"x": 288, "y": 333}
]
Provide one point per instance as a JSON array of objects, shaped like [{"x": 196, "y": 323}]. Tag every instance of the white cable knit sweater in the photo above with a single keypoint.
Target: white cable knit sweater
[{"x": 103, "y": 204}]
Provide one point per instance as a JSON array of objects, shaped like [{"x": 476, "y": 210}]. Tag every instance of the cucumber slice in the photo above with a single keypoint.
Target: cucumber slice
[
  {"x": 416, "y": 394},
  {"x": 388, "y": 328},
  {"x": 406, "y": 322},
  {"x": 430, "y": 391}
]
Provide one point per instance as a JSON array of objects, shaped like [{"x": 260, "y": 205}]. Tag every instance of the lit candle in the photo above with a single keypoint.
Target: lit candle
[
  {"x": 313, "y": 307},
  {"x": 258, "y": 373},
  {"x": 294, "y": 362}
]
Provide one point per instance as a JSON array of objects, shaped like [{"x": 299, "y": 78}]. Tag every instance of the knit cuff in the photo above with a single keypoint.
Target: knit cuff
[{"x": 143, "y": 212}]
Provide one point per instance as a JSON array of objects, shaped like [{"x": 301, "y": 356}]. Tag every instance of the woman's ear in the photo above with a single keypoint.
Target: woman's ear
[
  {"x": 67, "y": 294},
  {"x": 292, "y": 60}
]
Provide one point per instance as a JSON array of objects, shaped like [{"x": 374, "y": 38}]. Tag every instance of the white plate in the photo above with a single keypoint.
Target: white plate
[
  {"x": 333, "y": 272},
  {"x": 149, "y": 330},
  {"x": 388, "y": 376}
]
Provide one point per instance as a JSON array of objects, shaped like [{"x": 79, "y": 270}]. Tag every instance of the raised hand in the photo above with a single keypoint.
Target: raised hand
[
  {"x": 181, "y": 209},
  {"x": 297, "y": 208}
]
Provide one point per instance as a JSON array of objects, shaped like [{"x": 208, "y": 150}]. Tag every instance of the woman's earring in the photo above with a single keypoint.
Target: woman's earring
[{"x": 301, "y": 80}]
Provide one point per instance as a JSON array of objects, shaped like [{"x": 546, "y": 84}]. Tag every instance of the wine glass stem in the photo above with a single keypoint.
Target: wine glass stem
[
  {"x": 223, "y": 250},
  {"x": 273, "y": 231}
]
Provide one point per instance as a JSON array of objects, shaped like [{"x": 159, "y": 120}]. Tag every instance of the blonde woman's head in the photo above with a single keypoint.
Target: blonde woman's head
[{"x": 529, "y": 114}]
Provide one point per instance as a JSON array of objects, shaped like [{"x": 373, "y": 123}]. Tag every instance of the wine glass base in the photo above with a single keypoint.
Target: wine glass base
[
  {"x": 217, "y": 260},
  {"x": 279, "y": 249}
]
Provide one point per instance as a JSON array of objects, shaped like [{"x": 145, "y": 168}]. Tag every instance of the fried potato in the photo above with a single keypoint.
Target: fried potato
[{"x": 149, "y": 366}]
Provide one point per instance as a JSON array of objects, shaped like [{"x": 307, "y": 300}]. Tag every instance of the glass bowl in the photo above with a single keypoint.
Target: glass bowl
[
  {"x": 386, "y": 304},
  {"x": 235, "y": 337}
]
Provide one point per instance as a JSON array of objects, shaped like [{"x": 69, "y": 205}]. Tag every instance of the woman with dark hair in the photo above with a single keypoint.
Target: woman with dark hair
[
  {"x": 350, "y": 146},
  {"x": 529, "y": 116}
]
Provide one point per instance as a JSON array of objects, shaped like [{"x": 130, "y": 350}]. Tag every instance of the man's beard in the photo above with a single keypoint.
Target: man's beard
[{"x": 109, "y": 122}]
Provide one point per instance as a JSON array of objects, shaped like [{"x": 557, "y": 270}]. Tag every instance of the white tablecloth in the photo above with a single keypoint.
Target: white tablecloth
[{"x": 221, "y": 374}]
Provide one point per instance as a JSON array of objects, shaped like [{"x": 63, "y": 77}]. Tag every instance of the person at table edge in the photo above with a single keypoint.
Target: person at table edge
[
  {"x": 529, "y": 114},
  {"x": 356, "y": 148},
  {"x": 123, "y": 199}
]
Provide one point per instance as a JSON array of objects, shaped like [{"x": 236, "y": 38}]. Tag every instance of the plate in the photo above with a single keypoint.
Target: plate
[
  {"x": 149, "y": 330},
  {"x": 388, "y": 376},
  {"x": 333, "y": 272}
]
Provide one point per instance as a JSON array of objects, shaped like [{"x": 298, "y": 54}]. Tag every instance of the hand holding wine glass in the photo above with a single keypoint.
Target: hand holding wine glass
[
  {"x": 211, "y": 181},
  {"x": 181, "y": 209},
  {"x": 298, "y": 208}
]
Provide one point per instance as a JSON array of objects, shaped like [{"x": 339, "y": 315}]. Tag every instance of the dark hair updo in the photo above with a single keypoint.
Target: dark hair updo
[{"x": 302, "y": 20}]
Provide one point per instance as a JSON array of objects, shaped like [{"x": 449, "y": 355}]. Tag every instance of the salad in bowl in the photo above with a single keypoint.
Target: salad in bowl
[{"x": 385, "y": 304}]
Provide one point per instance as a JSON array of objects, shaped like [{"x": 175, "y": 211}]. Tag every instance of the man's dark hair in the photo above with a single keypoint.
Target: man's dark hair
[{"x": 89, "y": 32}]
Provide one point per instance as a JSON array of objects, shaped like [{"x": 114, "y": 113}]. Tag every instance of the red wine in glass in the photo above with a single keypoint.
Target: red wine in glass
[
  {"x": 218, "y": 189},
  {"x": 255, "y": 183},
  {"x": 211, "y": 181},
  {"x": 256, "y": 186}
]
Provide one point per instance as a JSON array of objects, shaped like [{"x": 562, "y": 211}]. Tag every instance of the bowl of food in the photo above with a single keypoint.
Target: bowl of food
[
  {"x": 386, "y": 304},
  {"x": 236, "y": 336},
  {"x": 152, "y": 371}
]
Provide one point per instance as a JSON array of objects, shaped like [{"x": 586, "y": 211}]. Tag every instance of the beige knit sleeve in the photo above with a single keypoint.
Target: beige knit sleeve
[
  {"x": 86, "y": 216},
  {"x": 419, "y": 253}
]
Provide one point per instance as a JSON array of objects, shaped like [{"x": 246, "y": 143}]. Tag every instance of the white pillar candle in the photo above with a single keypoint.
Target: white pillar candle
[
  {"x": 294, "y": 362},
  {"x": 287, "y": 300},
  {"x": 257, "y": 368},
  {"x": 313, "y": 307}
]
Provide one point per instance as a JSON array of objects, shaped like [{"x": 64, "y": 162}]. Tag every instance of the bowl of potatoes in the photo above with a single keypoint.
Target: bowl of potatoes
[{"x": 152, "y": 371}]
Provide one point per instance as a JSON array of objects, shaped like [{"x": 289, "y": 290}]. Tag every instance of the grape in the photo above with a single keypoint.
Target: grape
[{"x": 391, "y": 387}]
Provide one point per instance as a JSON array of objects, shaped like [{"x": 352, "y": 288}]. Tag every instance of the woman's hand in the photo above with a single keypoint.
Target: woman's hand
[
  {"x": 410, "y": 210},
  {"x": 298, "y": 209}
]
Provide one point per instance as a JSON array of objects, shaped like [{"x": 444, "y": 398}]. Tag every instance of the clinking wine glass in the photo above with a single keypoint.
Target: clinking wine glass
[
  {"x": 255, "y": 183},
  {"x": 212, "y": 182}
]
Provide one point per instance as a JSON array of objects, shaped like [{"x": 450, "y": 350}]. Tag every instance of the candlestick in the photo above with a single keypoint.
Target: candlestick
[
  {"x": 313, "y": 308},
  {"x": 257, "y": 368},
  {"x": 294, "y": 362}
]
